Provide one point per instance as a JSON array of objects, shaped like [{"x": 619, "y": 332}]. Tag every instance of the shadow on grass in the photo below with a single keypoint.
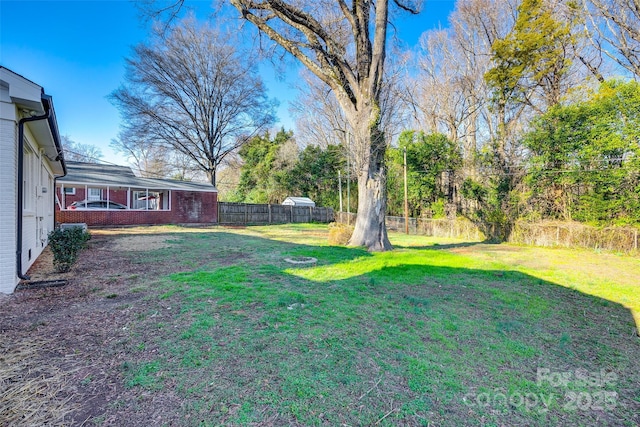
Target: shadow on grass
[{"x": 398, "y": 338}]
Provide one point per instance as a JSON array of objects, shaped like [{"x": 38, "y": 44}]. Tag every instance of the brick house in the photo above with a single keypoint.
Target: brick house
[
  {"x": 30, "y": 160},
  {"x": 107, "y": 195}
]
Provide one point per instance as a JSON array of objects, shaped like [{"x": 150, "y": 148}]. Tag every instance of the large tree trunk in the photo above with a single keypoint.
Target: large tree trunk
[
  {"x": 370, "y": 230},
  {"x": 370, "y": 146}
]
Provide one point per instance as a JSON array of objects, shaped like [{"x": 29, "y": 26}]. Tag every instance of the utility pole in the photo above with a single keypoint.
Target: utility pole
[
  {"x": 406, "y": 201},
  {"x": 348, "y": 175},
  {"x": 340, "y": 189}
]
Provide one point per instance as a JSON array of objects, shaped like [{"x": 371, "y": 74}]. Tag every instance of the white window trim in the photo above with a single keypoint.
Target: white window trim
[
  {"x": 28, "y": 180},
  {"x": 91, "y": 198},
  {"x": 134, "y": 193}
]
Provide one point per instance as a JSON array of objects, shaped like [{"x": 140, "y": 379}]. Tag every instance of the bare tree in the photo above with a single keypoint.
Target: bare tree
[
  {"x": 319, "y": 119},
  {"x": 442, "y": 96},
  {"x": 148, "y": 160},
  {"x": 156, "y": 160},
  {"x": 193, "y": 92},
  {"x": 78, "y": 152},
  {"x": 343, "y": 43},
  {"x": 615, "y": 29},
  {"x": 449, "y": 93},
  {"x": 229, "y": 177}
]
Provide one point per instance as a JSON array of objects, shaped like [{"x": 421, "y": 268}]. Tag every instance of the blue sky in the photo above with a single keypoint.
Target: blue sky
[{"x": 76, "y": 50}]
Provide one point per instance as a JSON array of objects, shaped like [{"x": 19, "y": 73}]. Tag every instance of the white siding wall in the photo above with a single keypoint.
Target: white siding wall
[
  {"x": 36, "y": 213},
  {"x": 38, "y": 217},
  {"x": 9, "y": 186}
]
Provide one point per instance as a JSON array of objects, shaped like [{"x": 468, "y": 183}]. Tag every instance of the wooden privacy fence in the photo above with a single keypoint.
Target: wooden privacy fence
[
  {"x": 558, "y": 234},
  {"x": 249, "y": 213}
]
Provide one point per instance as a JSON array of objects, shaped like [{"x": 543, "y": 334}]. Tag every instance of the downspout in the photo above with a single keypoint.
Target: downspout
[
  {"x": 46, "y": 101},
  {"x": 53, "y": 125}
]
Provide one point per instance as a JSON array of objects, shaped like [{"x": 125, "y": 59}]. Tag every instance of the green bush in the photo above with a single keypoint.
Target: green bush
[
  {"x": 438, "y": 209},
  {"x": 65, "y": 245}
]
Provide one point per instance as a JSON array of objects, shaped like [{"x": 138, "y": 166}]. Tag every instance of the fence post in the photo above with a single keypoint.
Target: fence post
[
  {"x": 246, "y": 213},
  {"x": 269, "y": 213},
  {"x": 291, "y": 210}
]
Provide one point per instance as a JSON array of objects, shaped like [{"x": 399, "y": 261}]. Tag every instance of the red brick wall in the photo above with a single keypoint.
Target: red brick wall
[
  {"x": 186, "y": 208},
  {"x": 191, "y": 207}
]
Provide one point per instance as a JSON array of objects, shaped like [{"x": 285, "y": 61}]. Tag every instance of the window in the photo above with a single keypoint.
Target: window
[
  {"x": 150, "y": 200},
  {"x": 71, "y": 191},
  {"x": 94, "y": 194}
]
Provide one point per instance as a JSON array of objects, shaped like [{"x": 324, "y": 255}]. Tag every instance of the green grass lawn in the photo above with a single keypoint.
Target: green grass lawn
[{"x": 436, "y": 332}]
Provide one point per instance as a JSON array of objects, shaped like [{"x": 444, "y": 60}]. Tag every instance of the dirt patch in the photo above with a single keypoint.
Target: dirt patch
[
  {"x": 141, "y": 243},
  {"x": 62, "y": 349}
]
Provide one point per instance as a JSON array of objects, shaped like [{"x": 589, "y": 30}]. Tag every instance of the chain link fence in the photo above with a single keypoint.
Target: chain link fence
[{"x": 546, "y": 233}]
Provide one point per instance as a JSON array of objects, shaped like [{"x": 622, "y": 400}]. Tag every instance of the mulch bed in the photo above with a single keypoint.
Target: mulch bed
[{"x": 62, "y": 347}]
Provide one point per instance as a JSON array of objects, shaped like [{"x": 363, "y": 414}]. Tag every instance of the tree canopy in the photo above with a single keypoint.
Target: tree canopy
[
  {"x": 266, "y": 163},
  {"x": 585, "y": 162},
  {"x": 432, "y": 160},
  {"x": 194, "y": 91}
]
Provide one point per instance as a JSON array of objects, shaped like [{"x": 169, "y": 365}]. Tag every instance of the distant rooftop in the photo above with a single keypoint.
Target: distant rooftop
[
  {"x": 114, "y": 176},
  {"x": 81, "y": 168},
  {"x": 298, "y": 201}
]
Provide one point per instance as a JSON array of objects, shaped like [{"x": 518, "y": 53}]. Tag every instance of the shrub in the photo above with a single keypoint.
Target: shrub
[
  {"x": 339, "y": 234},
  {"x": 65, "y": 245},
  {"x": 438, "y": 209}
]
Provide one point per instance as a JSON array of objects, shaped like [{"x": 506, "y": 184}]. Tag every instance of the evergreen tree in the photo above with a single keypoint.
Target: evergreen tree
[
  {"x": 432, "y": 161},
  {"x": 585, "y": 162},
  {"x": 261, "y": 174},
  {"x": 316, "y": 174}
]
